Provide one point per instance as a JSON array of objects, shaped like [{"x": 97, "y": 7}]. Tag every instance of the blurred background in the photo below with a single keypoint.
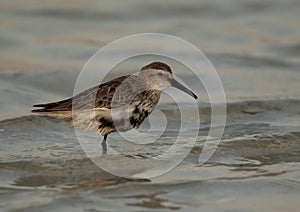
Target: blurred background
[{"x": 253, "y": 45}]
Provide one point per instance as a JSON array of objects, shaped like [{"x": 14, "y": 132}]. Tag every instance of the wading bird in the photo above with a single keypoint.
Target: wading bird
[{"x": 120, "y": 104}]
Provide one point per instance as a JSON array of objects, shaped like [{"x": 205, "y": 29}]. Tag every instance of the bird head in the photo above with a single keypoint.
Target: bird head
[{"x": 158, "y": 76}]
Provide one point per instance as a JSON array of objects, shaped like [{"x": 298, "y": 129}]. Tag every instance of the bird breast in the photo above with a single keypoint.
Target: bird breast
[{"x": 136, "y": 112}]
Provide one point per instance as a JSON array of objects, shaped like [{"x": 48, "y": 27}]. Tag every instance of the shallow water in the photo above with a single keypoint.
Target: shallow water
[{"x": 254, "y": 47}]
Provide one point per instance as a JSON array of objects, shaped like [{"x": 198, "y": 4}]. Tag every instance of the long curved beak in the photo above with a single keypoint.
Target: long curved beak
[{"x": 179, "y": 86}]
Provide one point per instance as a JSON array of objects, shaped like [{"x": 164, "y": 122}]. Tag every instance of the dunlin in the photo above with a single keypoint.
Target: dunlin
[{"x": 117, "y": 105}]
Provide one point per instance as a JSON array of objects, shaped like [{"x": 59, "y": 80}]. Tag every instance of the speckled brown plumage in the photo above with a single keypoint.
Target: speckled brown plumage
[
  {"x": 158, "y": 66},
  {"x": 117, "y": 105}
]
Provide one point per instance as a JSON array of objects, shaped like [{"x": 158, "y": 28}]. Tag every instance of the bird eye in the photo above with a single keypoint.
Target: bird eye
[{"x": 160, "y": 74}]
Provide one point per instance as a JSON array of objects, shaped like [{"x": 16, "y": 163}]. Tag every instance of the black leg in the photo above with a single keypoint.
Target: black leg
[{"x": 104, "y": 145}]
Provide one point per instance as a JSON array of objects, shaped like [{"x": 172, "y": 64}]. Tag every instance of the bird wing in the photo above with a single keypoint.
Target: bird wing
[
  {"x": 112, "y": 106},
  {"x": 92, "y": 108},
  {"x": 95, "y": 97}
]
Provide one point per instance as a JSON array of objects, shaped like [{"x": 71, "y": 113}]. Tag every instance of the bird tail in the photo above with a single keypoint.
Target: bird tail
[
  {"x": 64, "y": 105},
  {"x": 61, "y": 110}
]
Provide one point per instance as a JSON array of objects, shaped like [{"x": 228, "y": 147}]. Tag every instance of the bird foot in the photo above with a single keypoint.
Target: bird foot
[{"x": 104, "y": 147}]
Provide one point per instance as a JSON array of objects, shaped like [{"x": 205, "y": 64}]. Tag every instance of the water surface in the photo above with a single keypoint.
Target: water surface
[{"x": 255, "y": 49}]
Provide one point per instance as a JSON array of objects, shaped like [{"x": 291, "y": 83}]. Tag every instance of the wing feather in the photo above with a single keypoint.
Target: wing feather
[{"x": 102, "y": 94}]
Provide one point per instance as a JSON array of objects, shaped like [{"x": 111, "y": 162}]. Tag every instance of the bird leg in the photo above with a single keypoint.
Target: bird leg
[{"x": 104, "y": 145}]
